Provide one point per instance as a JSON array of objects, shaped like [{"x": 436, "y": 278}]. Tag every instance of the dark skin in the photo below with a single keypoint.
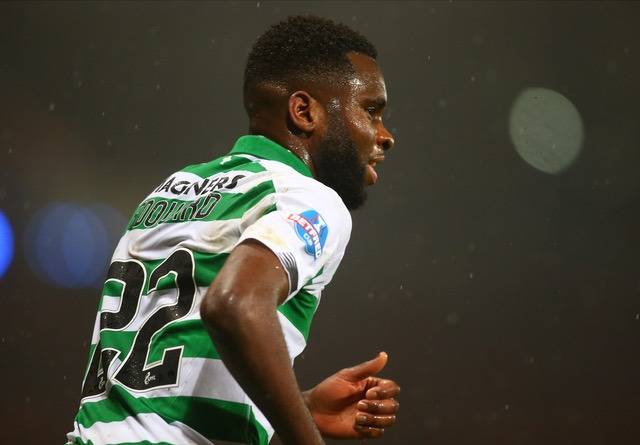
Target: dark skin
[{"x": 239, "y": 309}]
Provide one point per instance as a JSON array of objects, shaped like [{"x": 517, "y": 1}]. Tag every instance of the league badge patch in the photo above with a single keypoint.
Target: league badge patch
[{"x": 312, "y": 229}]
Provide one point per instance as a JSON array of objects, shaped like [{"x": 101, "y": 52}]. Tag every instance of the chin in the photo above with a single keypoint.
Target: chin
[{"x": 355, "y": 201}]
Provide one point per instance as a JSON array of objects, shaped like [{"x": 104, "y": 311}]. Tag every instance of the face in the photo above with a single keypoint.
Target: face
[{"x": 355, "y": 140}]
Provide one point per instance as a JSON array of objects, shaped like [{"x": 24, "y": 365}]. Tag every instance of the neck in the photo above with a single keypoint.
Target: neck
[{"x": 295, "y": 144}]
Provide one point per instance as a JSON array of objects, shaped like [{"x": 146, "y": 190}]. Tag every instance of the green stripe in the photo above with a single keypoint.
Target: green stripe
[
  {"x": 194, "y": 338},
  {"x": 176, "y": 211},
  {"x": 190, "y": 333},
  {"x": 299, "y": 311},
  {"x": 235, "y": 205},
  {"x": 119, "y": 340},
  {"x": 262, "y": 147},
  {"x": 272, "y": 208},
  {"x": 231, "y": 163},
  {"x": 113, "y": 288},
  {"x": 207, "y": 266},
  {"x": 215, "y": 419}
]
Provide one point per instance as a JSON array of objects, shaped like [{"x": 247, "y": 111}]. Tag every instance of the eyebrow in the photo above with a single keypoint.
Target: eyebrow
[{"x": 379, "y": 102}]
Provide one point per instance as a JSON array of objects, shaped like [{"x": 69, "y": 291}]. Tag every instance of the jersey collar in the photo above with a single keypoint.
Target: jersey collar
[{"x": 262, "y": 147}]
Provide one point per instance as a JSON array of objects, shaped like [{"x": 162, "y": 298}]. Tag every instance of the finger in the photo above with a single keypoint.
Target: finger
[
  {"x": 368, "y": 431},
  {"x": 365, "y": 369},
  {"x": 389, "y": 406},
  {"x": 383, "y": 389},
  {"x": 363, "y": 419}
]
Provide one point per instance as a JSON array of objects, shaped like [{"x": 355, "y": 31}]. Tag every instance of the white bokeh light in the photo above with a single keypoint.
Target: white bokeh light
[{"x": 546, "y": 129}]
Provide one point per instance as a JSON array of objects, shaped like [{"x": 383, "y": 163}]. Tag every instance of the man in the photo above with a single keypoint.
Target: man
[{"x": 211, "y": 291}]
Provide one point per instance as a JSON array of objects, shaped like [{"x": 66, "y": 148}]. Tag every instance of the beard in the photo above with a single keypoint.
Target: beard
[{"x": 338, "y": 164}]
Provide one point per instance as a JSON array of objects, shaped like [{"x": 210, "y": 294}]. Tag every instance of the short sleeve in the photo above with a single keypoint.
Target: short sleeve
[{"x": 308, "y": 230}]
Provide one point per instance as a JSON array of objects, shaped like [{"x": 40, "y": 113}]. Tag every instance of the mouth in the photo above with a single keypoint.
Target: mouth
[{"x": 372, "y": 175}]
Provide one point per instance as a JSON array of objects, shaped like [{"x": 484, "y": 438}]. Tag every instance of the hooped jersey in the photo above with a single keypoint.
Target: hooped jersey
[{"x": 154, "y": 376}]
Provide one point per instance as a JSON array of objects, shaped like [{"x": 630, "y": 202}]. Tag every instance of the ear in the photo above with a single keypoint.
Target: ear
[{"x": 306, "y": 114}]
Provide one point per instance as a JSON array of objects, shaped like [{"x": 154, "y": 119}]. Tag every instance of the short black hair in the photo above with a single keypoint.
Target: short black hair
[{"x": 302, "y": 47}]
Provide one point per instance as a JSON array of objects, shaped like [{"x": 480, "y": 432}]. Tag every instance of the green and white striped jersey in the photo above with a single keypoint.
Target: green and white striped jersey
[{"x": 154, "y": 376}]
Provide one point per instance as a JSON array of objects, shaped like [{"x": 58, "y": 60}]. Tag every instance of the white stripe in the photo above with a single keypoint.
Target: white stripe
[
  {"x": 218, "y": 236},
  {"x": 110, "y": 304},
  {"x": 149, "y": 427},
  {"x": 150, "y": 303},
  {"x": 202, "y": 377},
  {"x": 257, "y": 211},
  {"x": 250, "y": 180},
  {"x": 95, "y": 335},
  {"x": 292, "y": 336},
  {"x": 201, "y": 236}
]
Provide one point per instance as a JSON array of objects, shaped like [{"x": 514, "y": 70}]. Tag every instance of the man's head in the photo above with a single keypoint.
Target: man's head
[{"x": 314, "y": 86}]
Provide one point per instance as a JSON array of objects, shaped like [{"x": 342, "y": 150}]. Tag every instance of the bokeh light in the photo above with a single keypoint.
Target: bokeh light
[
  {"x": 69, "y": 245},
  {"x": 546, "y": 129},
  {"x": 6, "y": 244}
]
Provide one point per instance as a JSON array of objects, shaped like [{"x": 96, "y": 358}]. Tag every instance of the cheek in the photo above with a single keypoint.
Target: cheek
[
  {"x": 362, "y": 129},
  {"x": 366, "y": 137},
  {"x": 363, "y": 124}
]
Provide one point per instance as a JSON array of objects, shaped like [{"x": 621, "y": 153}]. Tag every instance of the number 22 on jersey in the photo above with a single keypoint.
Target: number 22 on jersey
[{"x": 133, "y": 370}]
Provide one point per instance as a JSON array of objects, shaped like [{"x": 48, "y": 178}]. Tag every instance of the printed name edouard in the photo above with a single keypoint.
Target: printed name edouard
[{"x": 157, "y": 210}]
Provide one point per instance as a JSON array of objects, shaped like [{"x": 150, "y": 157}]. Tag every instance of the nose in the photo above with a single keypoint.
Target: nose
[{"x": 385, "y": 139}]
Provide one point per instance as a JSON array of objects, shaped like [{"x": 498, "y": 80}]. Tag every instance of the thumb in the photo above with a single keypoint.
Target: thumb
[{"x": 365, "y": 369}]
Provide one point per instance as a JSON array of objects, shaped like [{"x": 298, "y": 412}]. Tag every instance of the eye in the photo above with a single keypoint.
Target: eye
[{"x": 373, "y": 112}]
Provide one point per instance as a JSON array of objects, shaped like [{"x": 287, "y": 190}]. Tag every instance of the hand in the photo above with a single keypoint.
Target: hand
[{"x": 352, "y": 404}]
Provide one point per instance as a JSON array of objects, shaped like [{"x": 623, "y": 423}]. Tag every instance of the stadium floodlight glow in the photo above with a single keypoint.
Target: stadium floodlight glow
[
  {"x": 69, "y": 245},
  {"x": 546, "y": 129},
  {"x": 6, "y": 244}
]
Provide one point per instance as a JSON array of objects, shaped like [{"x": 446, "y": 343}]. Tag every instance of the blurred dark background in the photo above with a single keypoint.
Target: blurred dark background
[{"x": 500, "y": 273}]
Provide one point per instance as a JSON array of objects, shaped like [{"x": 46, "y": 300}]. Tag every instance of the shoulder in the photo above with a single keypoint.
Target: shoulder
[{"x": 296, "y": 191}]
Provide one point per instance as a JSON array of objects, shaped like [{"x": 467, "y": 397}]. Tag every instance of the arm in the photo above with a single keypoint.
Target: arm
[{"x": 239, "y": 312}]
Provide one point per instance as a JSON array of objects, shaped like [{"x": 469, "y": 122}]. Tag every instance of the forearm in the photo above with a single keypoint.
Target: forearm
[
  {"x": 253, "y": 349},
  {"x": 307, "y": 398}
]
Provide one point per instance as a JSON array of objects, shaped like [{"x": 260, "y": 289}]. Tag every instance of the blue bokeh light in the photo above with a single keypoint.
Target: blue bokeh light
[
  {"x": 69, "y": 245},
  {"x": 84, "y": 247},
  {"x": 6, "y": 244}
]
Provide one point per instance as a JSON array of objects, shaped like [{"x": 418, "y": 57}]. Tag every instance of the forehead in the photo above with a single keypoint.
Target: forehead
[{"x": 367, "y": 79}]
